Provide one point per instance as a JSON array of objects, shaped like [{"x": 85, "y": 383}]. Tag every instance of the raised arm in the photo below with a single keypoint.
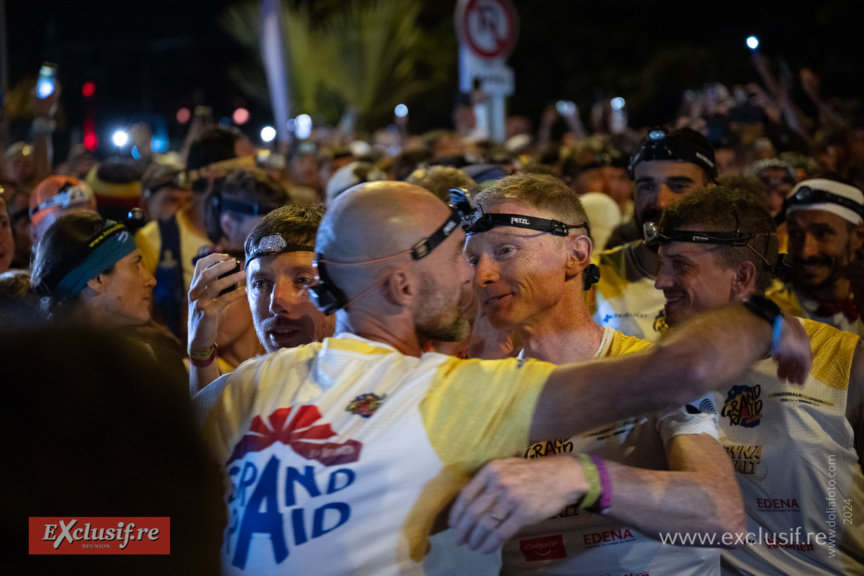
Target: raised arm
[
  {"x": 206, "y": 307},
  {"x": 701, "y": 355}
]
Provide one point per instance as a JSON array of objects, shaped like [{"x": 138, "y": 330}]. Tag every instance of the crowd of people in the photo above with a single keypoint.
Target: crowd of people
[{"x": 616, "y": 351}]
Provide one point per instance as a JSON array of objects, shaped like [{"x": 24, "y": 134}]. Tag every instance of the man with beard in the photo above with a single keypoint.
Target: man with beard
[
  {"x": 668, "y": 167},
  {"x": 796, "y": 449},
  {"x": 278, "y": 269},
  {"x": 341, "y": 455},
  {"x": 824, "y": 222}
]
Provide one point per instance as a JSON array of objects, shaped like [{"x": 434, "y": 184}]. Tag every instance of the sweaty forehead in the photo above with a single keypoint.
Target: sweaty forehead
[{"x": 666, "y": 169}]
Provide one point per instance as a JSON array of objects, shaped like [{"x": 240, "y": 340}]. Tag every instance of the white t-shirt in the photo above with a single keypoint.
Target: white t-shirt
[
  {"x": 795, "y": 460},
  {"x": 341, "y": 457}
]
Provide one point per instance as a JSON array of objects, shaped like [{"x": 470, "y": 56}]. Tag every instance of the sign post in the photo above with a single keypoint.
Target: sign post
[{"x": 487, "y": 31}]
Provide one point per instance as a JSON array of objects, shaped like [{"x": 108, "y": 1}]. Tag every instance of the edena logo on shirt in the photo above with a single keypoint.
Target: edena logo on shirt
[{"x": 265, "y": 500}]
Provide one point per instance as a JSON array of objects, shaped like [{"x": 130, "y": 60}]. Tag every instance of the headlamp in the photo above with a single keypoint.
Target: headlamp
[
  {"x": 653, "y": 236},
  {"x": 68, "y": 195},
  {"x": 476, "y": 221},
  {"x": 808, "y": 195}
]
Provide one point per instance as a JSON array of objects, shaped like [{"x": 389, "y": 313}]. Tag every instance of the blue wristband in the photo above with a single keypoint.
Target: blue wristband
[{"x": 777, "y": 333}]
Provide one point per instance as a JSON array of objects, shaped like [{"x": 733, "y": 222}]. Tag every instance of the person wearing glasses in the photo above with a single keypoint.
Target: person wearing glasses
[
  {"x": 342, "y": 456},
  {"x": 825, "y": 224},
  {"x": 668, "y": 166}
]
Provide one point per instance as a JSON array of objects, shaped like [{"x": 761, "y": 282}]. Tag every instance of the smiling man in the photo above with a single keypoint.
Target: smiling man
[
  {"x": 340, "y": 456},
  {"x": 530, "y": 273},
  {"x": 825, "y": 220},
  {"x": 796, "y": 449},
  {"x": 668, "y": 166}
]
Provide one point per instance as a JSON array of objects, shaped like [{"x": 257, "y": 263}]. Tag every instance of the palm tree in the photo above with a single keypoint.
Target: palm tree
[{"x": 364, "y": 54}]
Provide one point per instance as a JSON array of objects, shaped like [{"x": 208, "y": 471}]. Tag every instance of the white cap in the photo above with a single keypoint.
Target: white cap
[
  {"x": 603, "y": 214},
  {"x": 350, "y": 175},
  {"x": 832, "y": 187}
]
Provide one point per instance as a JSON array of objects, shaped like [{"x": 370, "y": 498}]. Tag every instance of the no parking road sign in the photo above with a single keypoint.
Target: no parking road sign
[{"x": 488, "y": 27}]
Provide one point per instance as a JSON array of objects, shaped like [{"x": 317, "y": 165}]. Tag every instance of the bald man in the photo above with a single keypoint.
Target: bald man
[{"x": 342, "y": 456}]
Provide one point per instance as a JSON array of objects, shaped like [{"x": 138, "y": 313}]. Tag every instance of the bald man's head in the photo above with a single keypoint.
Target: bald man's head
[
  {"x": 378, "y": 219},
  {"x": 375, "y": 225}
]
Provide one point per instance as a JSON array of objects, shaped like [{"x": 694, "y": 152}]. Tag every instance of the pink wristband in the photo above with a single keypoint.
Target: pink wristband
[{"x": 605, "y": 501}]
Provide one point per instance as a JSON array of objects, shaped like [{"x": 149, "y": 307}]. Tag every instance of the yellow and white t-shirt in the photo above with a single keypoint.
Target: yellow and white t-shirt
[
  {"x": 625, "y": 298},
  {"x": 580, "y": 543},
  {"x": 341, "y": 457},
  {"x": 794, "y": 455}
]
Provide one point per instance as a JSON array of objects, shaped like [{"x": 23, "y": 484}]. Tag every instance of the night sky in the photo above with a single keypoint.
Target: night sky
[{"x": 156, "y": 56}]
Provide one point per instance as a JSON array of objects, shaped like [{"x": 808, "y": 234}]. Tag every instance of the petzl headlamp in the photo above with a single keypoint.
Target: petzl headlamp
[
  {"x": 810, "y": 195},
  {"x": 476, "y": 221}
]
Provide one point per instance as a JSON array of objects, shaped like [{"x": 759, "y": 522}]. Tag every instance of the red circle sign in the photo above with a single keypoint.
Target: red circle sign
[{"x": 489, "y": 27}]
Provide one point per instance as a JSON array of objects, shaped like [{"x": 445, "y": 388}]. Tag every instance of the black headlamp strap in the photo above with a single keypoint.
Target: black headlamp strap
[{"x": 807, "y": 195}]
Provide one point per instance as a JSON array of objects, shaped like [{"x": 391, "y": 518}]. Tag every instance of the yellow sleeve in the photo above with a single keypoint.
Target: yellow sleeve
[
  {"x": 149, "y": 243},
  {"x": 479, "y": 410},
  {"x": 832, "y": 353}
]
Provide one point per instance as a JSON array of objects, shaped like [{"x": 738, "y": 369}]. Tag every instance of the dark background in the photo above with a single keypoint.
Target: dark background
[{"x": 156, "y": 56}]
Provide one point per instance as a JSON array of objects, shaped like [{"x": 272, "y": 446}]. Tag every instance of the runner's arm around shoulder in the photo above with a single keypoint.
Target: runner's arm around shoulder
[
  {"x": 698, "y": 495},
  {"x": 855, "y": 401},
  {"x": 702, "y": 354}
]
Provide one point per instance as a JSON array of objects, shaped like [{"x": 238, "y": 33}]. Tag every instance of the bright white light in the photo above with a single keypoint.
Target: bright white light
[
  {"x": 617, "y": 103},
  {"x": 44, "y": 88},
  {"x": 303, "y": 126},
  {"x": 268, "y": 133},
  {"x": 120, "y": 138},
  {"x": 752, "y": 42},
  {"x": 401, "y": 111}
]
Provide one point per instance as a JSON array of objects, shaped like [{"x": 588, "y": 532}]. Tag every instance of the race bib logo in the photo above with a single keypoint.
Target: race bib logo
[
  {"x": 301, "y": 432},
  {"x": 549, "y": 448},
  {"x": 546, "y": 548},
  {"x": 365, "y": 405},
  {"x": 277, "y": 502},
  {"x": 745, "y": 457},
  {"x": 743, "y": 406}
]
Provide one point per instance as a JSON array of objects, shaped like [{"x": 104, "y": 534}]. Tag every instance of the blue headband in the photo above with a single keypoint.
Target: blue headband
[{"x": 106, "y": 249}]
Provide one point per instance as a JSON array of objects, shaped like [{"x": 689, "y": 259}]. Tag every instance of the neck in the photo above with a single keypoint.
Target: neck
[
  {"x": 393, "y": 332},
  {"x": 562, "y": 335}
]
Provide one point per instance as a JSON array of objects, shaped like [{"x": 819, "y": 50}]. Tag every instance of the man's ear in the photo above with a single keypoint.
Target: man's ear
[
  {"x": 744, "y": 282},
  {"x": 579, "y": 250},
  {"x": 401, "y": 288}
]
